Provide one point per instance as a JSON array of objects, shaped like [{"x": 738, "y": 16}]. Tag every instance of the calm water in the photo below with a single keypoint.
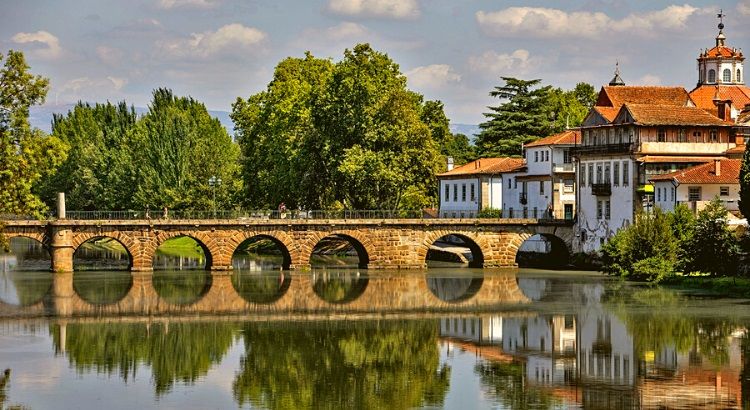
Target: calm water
[{"x": 446, "y": 337}]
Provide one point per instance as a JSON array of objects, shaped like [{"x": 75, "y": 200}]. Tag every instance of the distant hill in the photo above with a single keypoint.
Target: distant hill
[
  {"x": 41, "y": 117},
  {"x": 470, "y": 130}
]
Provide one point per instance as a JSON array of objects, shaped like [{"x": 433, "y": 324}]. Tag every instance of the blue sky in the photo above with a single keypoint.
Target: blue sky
[{"x": 455, "y": 51}]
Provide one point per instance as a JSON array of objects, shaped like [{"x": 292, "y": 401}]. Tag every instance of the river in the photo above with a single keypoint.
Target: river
[{"x": 340, "y": 337}]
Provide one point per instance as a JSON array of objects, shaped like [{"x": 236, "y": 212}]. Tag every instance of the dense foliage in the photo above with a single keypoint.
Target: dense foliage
[
  {"x": 745, "y": 183},
  {"x": 26, "y": 154},
  {"x": 165, "y": 158},
  {"x": 528, "y": 112},
  {"x": 658, "y": 244},
  {"x": 342, "y": 135}
]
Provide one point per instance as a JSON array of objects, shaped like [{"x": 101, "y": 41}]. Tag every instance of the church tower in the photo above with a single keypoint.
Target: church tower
[{"x": 721, "y": 65}]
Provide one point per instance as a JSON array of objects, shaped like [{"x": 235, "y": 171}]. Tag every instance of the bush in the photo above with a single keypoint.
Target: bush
[
  {"x": 713, "y": 247},
  {"x": 490, "y": 213},
  {"x": 654, "y": 269}
]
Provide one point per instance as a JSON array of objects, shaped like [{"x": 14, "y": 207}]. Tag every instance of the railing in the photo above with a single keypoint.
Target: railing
[
  {"x": 601, "y": 189},
  {"x": 300, "y": 215},
  {"x": 569, "y": 167}
]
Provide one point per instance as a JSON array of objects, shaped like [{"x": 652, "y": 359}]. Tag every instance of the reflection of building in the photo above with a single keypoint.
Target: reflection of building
[{"x": 475, "y": 329}]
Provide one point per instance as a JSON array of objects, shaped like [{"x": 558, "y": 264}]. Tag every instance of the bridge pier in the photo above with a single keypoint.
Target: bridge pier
[{"x": 61, "y": 249}]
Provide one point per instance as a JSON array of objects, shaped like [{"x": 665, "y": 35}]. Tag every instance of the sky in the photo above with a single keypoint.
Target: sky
[{"x": 450, "y": 50}]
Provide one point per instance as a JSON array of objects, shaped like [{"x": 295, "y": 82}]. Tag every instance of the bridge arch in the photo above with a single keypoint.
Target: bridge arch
[
  {"x": 361, "y": 244},
  {"x": 39, "y": 262},
  {"x": 127, "y": 243},
  {"x": 284, "y": 242},
  {"x": 478, "y": 245},
  {"x": 541, "y": 250},
  {"x": 207, "y": 243}
]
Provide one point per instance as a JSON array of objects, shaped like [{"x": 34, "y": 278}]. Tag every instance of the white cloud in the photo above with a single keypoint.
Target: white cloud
[
  {"x": 542, "y": 22},
  {"x": 51, "y": 44},
  {"x": 744, "y": 7},
  {"x": 432, "y": 76},
  {"x": 648, "y": 79},
  {"x": 88, "y": 88},
  {"x": 198, "y": 4},
  {"x": 345, "y": 31},
  {"x": 118, "y": 82},
  {"x": 109, "y": 55},
  {"x": 398, "y": 9},
  {"x": 230, "y": 37},
  {"x": 490, "y": 62}
]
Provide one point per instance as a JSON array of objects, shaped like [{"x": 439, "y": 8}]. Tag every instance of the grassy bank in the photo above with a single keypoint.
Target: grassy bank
[
  {"x": 181, "y": 246},
  {"x": 722, "y": 286}
]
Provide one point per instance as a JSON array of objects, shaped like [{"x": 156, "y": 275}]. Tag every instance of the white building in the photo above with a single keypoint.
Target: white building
[
  {"x": 469, "y": 188},
  {"x": 700, "y": 184},
  {"x": 546, "y": 186}
]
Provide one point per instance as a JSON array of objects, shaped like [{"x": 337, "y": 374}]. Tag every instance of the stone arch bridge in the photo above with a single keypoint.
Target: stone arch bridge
[{"x": 380, "y": 243}]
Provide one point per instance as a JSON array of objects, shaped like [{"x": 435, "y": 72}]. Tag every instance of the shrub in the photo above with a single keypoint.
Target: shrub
[
  {"x": 490, "y": 213},
  {"x": 713, "y": 247},
  {"x": 654, "y": 269}
]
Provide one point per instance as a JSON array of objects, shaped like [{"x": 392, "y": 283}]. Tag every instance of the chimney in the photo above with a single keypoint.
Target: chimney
[
  {"x": 450, "y": 163},
  {"x": 717, "y": 167}
]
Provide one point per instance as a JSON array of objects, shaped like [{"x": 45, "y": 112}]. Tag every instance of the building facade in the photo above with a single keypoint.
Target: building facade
[{"x": 699, "y": 185}]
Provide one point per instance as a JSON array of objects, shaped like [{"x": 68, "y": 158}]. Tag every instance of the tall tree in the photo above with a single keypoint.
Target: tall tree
[
  {"x": 745, "y": 183},
  {"x": 568, "y": 109},
  {"x": 522, "y": 117},
  {"x": 712, "y": 247},
  {"x": 452, "y": 145},
  {"x": 26, "y": 154}
]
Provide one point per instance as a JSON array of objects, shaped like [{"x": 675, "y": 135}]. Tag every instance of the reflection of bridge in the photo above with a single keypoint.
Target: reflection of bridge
[
  {"x": 380, "y": 243},
  {"x": 378, "y": 294}
]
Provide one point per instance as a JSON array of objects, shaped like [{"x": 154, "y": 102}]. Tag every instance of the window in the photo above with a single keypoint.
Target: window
[
  {"x": 658, "y": 194},
  {"x": 598, "y": 209},
  {"x": 455, "y": 192},
  {"x": 625, "y": 173},
  {"x": 711, "y": 76},
  {"x": 536, "y": 156},
  {"x": 694, "y": 193},
  {"x": 724, "y": 191},
  {"x": 727, "y": 75},
  {"x": 682, "y": 135},
  {"x": 616, "y": 171},
  {"x": 671, "y": 194},
  {"x": 566, "y": 157},
  {"x": 583, "y": 174},
  {"x": 473, "y": 193},
  {"x": 463, "y": 192},
  {"x": 607, "y": 174},
  {"x": 591, "y": 174},
  {"x": 509, "y": 183},
  {"x": 525, "y": 212},
  {"x": 599, "y": 176},
  {"x": 535, "y": 213},
  {"x": 661, "y": 136},
  {"x": 606, "y": 210},
  {"x": 546, "y": 156},
  {"x": 568, "y": 186},
  {"x": 697, "y": 135},
  {"x": 739, "y": 75},
  {"x": 447, "y": 192},
  {"x": 714, "y": 135},
  {"x": 541, "y": 187}
]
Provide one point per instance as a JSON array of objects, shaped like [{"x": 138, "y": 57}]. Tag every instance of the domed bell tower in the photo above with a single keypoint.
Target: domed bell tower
[{"x": 721, "y": 64}]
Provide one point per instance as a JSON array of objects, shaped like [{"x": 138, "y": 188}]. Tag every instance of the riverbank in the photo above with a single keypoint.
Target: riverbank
[{"x": 732, "y": 287}]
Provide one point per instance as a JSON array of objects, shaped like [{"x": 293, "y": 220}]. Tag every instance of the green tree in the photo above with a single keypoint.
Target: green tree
[
  {"x": 338, "y": 135},
  {"x": 26, "y": 154},
  {"x": 522, "y": 117},
  {"x": 682, "y": 221},
  {"x": 100, "y": 172},
  {"x": 178, "y": 147},
  {"x": 457, "y": 146},
  {"x": 568, "y": 109},
  {"x": 713, "y": 247},
  {"x": 745, "y": 183}
]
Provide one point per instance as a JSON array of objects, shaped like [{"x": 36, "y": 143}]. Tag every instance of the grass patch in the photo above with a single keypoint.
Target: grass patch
[
  {"x": 722, "y": 286},
  {"x": 183, "y": 246}
]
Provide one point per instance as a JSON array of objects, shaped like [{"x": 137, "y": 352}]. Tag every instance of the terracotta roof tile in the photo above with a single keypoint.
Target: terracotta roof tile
[
  {"x": 744, "y": 117},
  {"x": 609, "y": 113},
  {"x": 569, "y": 137},
  {"x": 705, "y": 174},
  {"x": 703, "y": 96},
  {"x": 722, "y": 51},
  {"x": 649, "y": 114},
  {"x": 484, "y": 166},
  {"x": 617, "y": 96}
]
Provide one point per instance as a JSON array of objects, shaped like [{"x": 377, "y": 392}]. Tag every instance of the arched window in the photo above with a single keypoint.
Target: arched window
[
  {"x": 739, "y": 76},
  {"x": 727, "y": 75},
  {"x": 711, "y": 76}
]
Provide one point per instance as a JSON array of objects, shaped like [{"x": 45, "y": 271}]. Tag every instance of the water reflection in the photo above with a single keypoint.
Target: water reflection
[
  {"x": 450, "y": 288},
  {"x": 102, "y": 287},
  {"x": 339, "y": 286},
  {"x": 103, "y": 254},
  {"x": 21, "y": 288},
  {"x": 181, "y": 288},
  {"x": 25, "y": 254},
  {"x": 261, "y": 287}
]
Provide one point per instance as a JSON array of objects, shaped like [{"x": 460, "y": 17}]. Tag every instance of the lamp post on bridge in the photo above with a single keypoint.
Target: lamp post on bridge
[{"x": 213, "y": 182}]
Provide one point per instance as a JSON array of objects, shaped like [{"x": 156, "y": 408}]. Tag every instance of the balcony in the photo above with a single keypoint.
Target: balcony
[
  {"x": 603, "y": 149},
  {"x": 601, "y": 189},
  {"x": 522, "y": 198},
  {"x": 560, "y": 168}
]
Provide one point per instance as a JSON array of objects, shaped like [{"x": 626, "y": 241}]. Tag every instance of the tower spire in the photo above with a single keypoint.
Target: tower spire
[
  {"x": 721, "y": 38},
  {"x": 617, "y": 80}
]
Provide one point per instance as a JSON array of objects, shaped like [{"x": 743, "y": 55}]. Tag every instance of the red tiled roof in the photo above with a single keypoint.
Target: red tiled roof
[
  {"x": 616, "y": 96},
  {"x": 484, "y": 166},
  {"x": 651, "y": 159},
  {"x": 651, "y": 114},
  {"x": 722, "y": 51},
  {"x": 704, "y": 95},
  {"x": 569, "y": 137},
  {"x": 609, "y": 113},
  {"x": 740, "y": 149},
  {"x": 704, "y": 173}
]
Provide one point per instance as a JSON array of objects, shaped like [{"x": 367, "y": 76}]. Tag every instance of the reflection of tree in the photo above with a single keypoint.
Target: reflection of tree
[
  {"x": 4, "y": 379},
  {"x": 181, "y": 288},
  {"x": 655, "y": 319},
  {"x": 339, "y": 287},
  {"x": 342, "y": 365},
  {"x": 505, "y": 382},
  {"x": 176, "y": 352},
  {"x": 29, "y": 287},
  {"x": 260, "y": 287},
  {"x": 102, "y": 288}
]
